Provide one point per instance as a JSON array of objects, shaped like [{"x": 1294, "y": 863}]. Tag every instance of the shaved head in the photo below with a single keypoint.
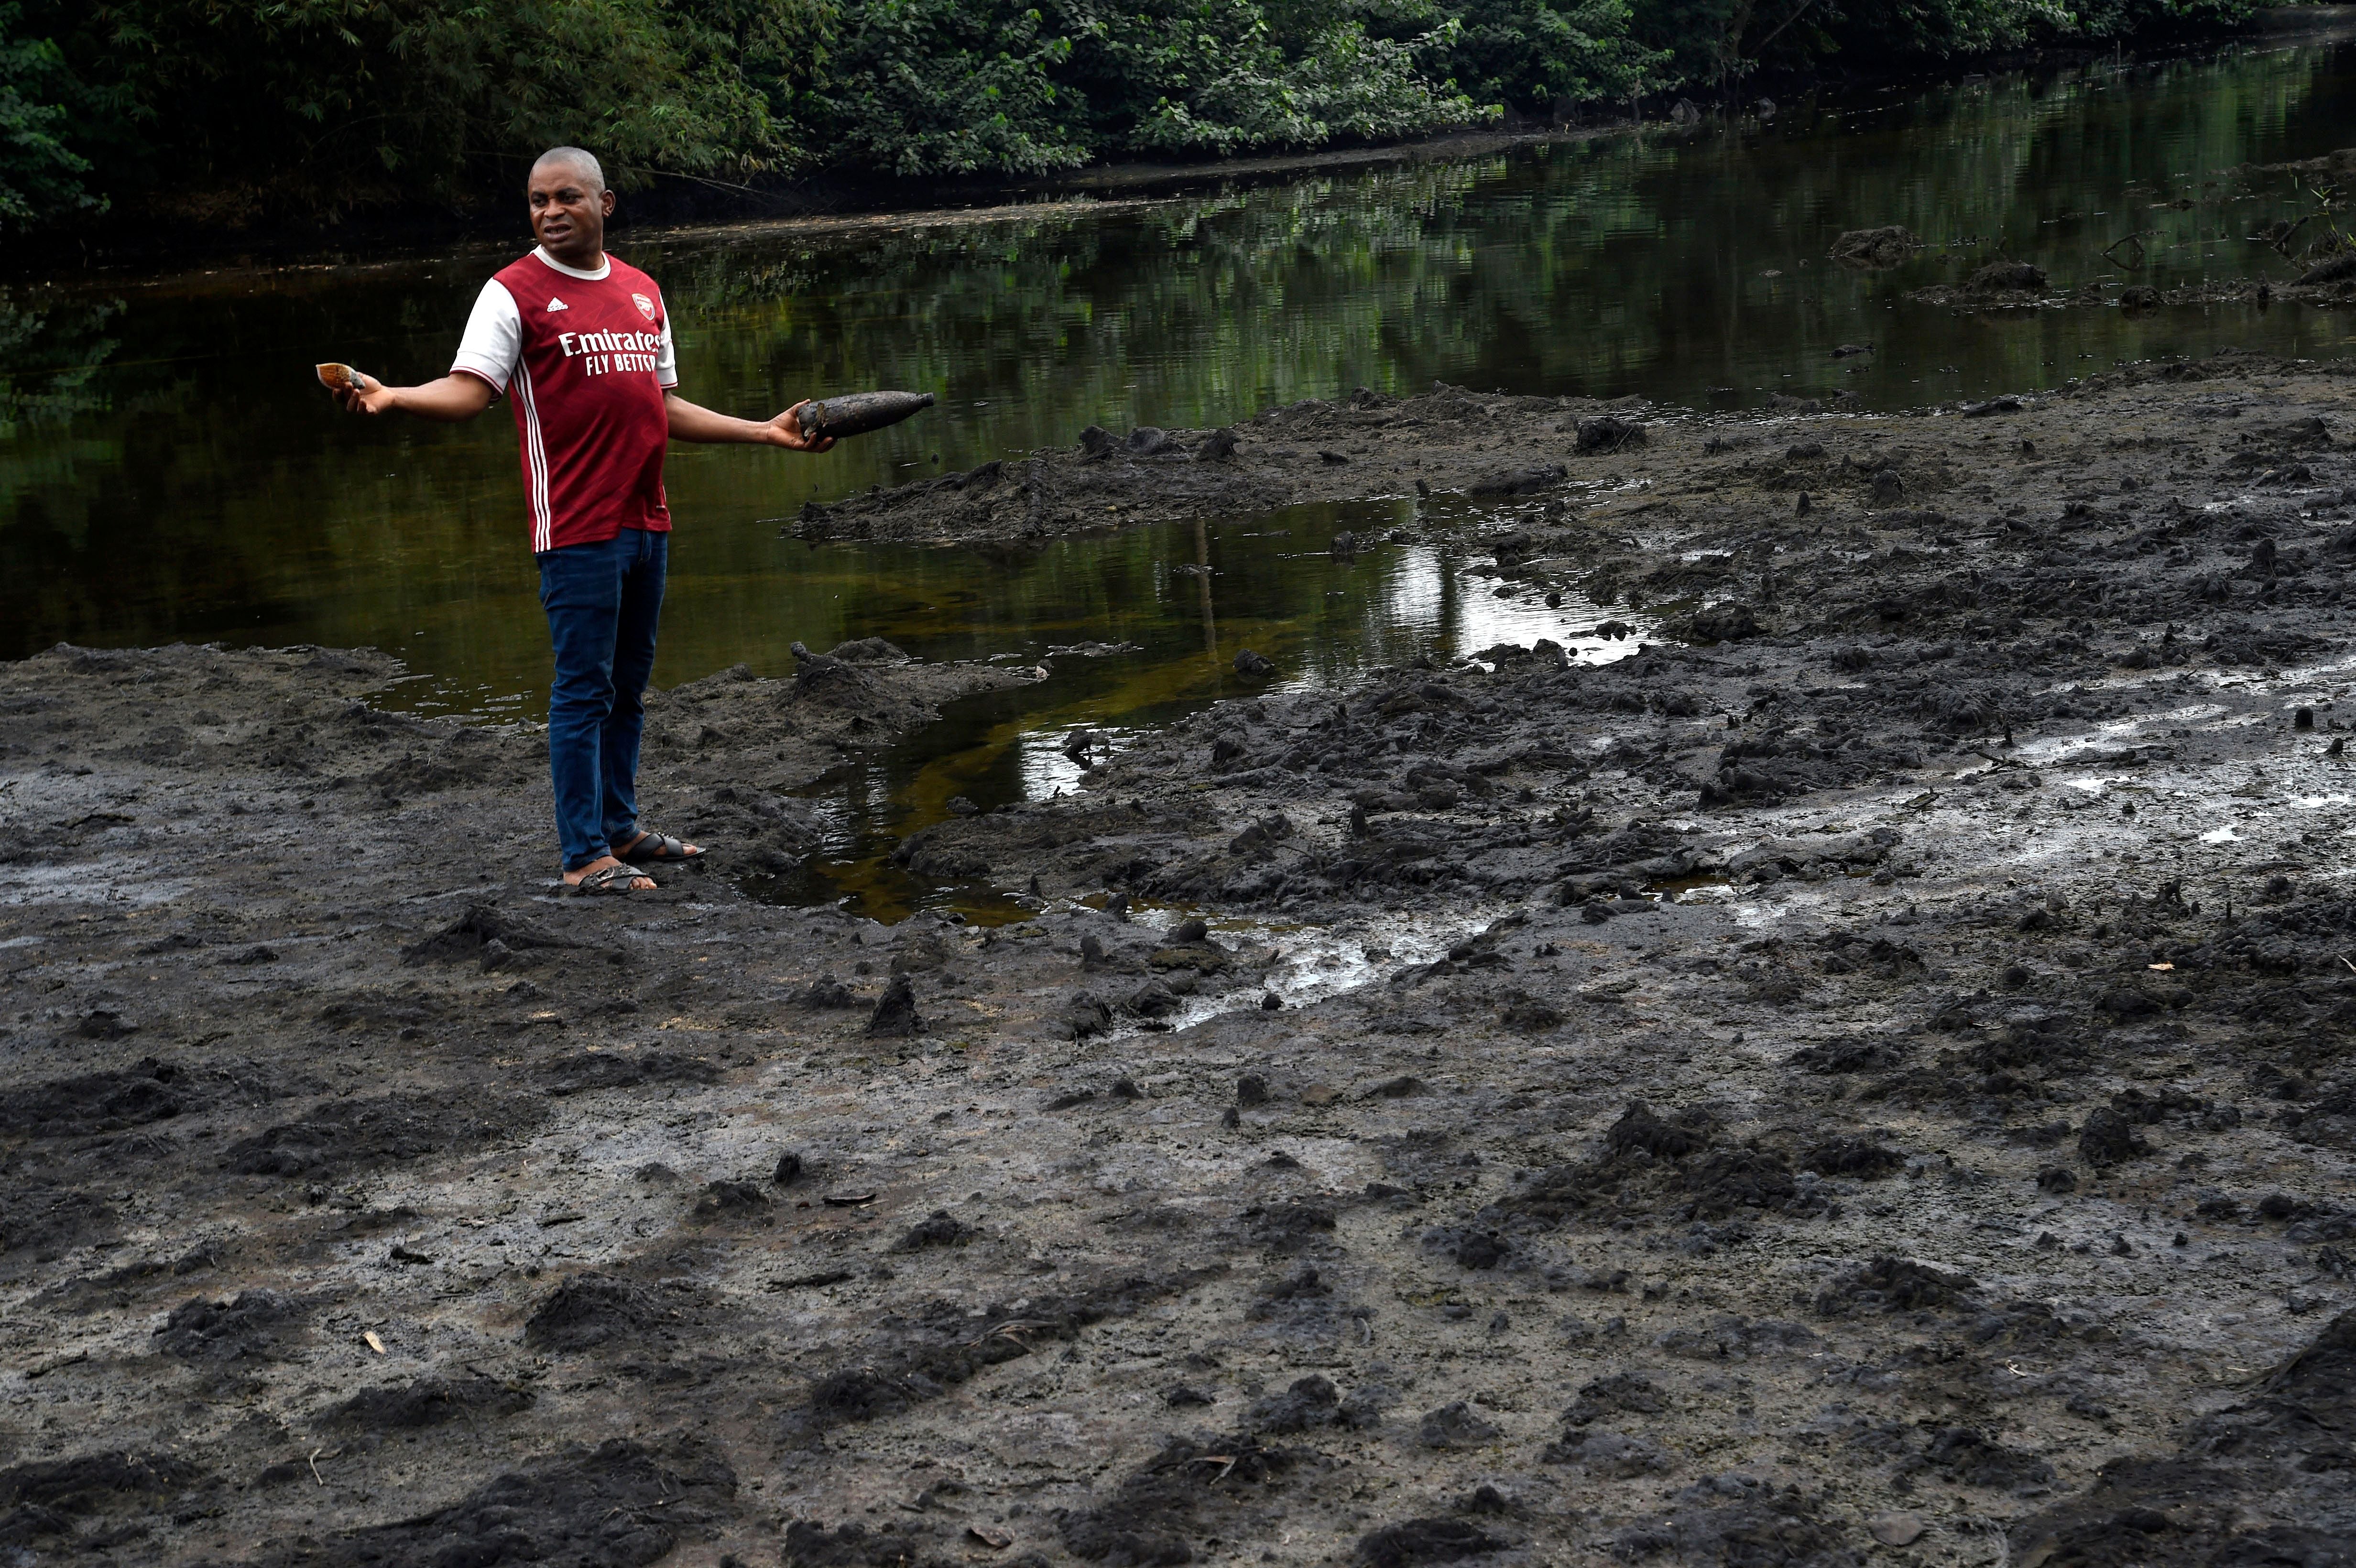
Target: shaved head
[
  {"x": 579, "y": 160},
  {"x": 569, "y": 204}
]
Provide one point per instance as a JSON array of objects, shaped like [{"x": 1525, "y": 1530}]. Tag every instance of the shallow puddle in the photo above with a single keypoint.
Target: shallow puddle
[{"x": 1136, "y": 629}]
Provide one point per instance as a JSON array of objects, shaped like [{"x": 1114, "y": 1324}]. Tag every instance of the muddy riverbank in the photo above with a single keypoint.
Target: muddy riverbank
[{"x": 1864, "y": 1079}]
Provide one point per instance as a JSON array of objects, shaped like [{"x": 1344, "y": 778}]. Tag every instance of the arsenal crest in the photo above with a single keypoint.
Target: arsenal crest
[{"x": 646, "y": 306}]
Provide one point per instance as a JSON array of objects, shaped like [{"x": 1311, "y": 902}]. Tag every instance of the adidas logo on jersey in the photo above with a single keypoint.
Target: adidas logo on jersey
[{"x": 558, "y": 304}]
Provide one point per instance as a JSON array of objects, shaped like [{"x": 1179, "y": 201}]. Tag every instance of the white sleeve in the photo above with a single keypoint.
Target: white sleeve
[
  {"x": 667, "y": 358},
  {"x": 494, "y": 341}
]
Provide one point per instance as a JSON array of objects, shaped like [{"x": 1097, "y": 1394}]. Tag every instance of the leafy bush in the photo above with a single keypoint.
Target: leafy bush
[
  {"x": 931, "y": 87},
  {"x": 40, "y": 176},
  {"x": 1343, "y": 84},
  {"x": 1541, "y": 55},
  {"x": 246, "y": 105}
]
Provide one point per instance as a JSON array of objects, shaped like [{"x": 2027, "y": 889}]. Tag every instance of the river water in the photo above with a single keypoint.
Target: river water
[{"x": 169, "y": 471}]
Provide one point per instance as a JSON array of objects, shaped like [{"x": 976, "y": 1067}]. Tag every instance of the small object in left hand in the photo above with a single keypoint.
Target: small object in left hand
[{"x": 342, "y": 378}]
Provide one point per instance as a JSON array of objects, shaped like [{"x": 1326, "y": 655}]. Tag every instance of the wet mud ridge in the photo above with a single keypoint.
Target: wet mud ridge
[
  {"x": 1867, "y": 1080},
  {"x": 1367, "y": 445}
]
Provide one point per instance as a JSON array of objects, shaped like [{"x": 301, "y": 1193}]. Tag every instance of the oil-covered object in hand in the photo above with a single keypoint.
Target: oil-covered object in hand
[{"x": 856, "y": 413}]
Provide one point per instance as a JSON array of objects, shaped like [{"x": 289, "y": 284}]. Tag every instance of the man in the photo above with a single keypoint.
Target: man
[{"x": 580, "y": 345}]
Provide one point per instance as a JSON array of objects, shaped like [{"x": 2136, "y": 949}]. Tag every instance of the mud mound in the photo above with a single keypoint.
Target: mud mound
[
  {"x": 917, "y": 1357},
  {"x": 940, "y": 1229},
  {"x": 1998, "y": 277},
  {"x": 2137, "y": 1506},
  {"x": 428, "y": 1402},
  {"x": 97, "y": 1101},
  {"x": 1762, "y": 1526},
  {"x": 1783, "y": 762},
  {"x": 1310, "y": 1402},
  {"x": 589, "y": 1309},
  {"x": 454, "y": 760},
  {"x": 1652, "y": 1165},
  {"x": 1971, "y": 1458},
  {"x": 46, "y": 1498},
  {"x": 352, "y": 1134},
  {"x": 1876, "y": 248},
  {"x": 623, "y": 1504},
  {"x": 2302, "y": 1411},
  {"x": 470, "y": 937},
  {"x": 2193, "y": 1506},
  {"x": 1851, "y": 1156},
  {"x": 1621, "y": 1393},
  {"x": 42, "y": 1218},
  {"x": 1732, "y": 1181},
  {"x": 258, "y": 1326},
  {"x": 1600, "y": 1451},
  {"x": 1732, "y": 1337},
  {"x": 1638, "y": 1130},
  {"x": 581, "y": 1072},
  {"x": 896, "y": 1015},
  {"x": 852, "y": 1544},
  {"x": 1417, "y": 1540},
  {"x": 1868, "y": 1055},
  {"x": 1894, "y": 1284},
  {"x": 1190, "y": 1491}
]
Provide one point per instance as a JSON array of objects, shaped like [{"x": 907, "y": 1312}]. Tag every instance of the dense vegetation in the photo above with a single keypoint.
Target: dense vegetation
[{"x": 227, "y": 111}]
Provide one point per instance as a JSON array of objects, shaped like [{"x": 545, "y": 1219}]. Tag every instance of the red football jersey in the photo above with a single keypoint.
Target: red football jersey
[{"x": 588, "y": 390}]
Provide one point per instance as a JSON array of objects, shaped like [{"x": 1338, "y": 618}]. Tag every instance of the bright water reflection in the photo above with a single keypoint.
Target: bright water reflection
[{"x": 1166, "y": 641}]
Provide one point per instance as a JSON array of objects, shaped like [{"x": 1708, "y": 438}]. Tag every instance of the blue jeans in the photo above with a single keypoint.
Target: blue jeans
[{"x": 602, "y": 600}]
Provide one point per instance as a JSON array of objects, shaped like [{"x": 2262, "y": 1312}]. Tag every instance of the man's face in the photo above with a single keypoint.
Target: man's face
[{"x": 567, "y": 214}]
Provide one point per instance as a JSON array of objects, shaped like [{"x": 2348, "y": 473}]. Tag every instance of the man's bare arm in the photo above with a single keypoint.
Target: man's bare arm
[
  {"x": 690, "y": 422},
  {"x": 450, "y": 400}
]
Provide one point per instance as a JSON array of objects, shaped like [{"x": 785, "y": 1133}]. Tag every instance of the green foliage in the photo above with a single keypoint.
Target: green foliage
[
  {"x": 1218, "y": 77},
  {"x": 229, "y": 110},
  {"x": 229, "y": 107},
  {"x": 52, "y": 349},
  {"x": 931, "y": 87},
  {"x": 1534, "y": 56},
  {"x": 1875, "y": 29},
  {"x": 40, "y": 176},
  {"x": 1709, "y": 42}
]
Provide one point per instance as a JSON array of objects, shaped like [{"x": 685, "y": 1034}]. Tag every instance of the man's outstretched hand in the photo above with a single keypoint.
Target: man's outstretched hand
[
  {"x": 367, "y": 395},
  {"x": 690, "y": 422},
  {"x": 789, "y": 426},
  {"x": 451, "y": 399}
]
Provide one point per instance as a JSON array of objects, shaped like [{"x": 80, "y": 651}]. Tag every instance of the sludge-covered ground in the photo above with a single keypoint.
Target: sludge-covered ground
[{"x": 1864, "y": 1081}]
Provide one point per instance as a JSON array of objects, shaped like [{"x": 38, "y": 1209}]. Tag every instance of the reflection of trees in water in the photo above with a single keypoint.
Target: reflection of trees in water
[
  {"x": 1602, "y": 267},
  {"x": 49, "y": 349}
]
